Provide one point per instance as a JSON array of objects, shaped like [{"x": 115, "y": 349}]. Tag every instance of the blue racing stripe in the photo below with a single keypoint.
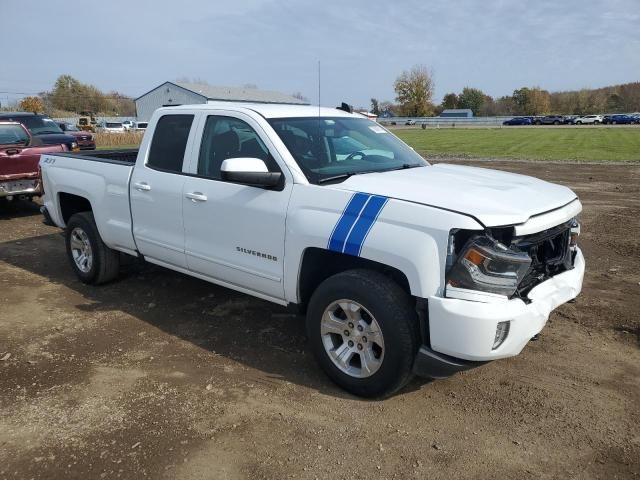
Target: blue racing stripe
[
  {"x": 363, "y": 225},
  {"x": 346, "y": 221}
]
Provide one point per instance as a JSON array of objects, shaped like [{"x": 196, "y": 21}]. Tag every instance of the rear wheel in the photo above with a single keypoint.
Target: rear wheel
[
  {"x": 596, "y": 122},
  {"x": 363, "y": 331},
  {"x": 556, "y": 122},
  {"x": 91, "y": 260}
]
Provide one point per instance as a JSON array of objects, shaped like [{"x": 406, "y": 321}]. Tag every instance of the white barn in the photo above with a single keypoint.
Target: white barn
[{"x": 183, "y": 93}]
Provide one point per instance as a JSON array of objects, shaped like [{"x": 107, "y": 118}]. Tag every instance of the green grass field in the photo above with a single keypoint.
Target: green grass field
[{"x": 586, "y": 144}]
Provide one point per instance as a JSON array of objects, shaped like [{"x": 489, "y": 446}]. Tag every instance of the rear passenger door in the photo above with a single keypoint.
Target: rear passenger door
[
  {"x": 156, "y": 192},
  {"x": 234, "y": 234}
]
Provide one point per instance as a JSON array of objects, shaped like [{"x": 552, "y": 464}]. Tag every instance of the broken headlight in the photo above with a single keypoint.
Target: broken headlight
[{"x": 487, "y": 265}]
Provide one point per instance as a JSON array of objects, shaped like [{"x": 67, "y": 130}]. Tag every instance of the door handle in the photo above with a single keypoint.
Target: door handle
[
  {"x": 142, "y": 186},
  {"x": 196, "y": 196},
  {"x": 12, "y": 151}
]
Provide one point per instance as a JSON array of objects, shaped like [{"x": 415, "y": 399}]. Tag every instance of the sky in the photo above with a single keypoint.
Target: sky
[{"x": 362, "y": 45}]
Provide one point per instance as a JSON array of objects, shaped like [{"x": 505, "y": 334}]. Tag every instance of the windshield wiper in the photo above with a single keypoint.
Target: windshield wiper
[
  {"x": 342, "y": 176},
  {"x": 403, "y": 167}
]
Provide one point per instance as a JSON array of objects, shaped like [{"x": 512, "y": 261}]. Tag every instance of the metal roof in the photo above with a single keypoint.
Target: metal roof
[{"x": 239, "y": 94}]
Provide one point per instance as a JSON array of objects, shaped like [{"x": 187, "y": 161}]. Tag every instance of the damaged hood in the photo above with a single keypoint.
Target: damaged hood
[{"x": 493, "y": 197}]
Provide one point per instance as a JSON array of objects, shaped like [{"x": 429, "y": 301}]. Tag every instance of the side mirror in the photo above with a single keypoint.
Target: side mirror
[
  {"x": 249, "y": 171},
  {"x": 35, "y": 142}
]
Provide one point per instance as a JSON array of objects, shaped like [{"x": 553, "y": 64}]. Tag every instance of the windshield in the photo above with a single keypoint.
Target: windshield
[
  {"x": 13, "y": 135},
  {"x": 113, "y": 125},
  {"x": 39, "y": 125},
  {"x": 67, "y": 127},
  {"x": 330, "y": 147}
]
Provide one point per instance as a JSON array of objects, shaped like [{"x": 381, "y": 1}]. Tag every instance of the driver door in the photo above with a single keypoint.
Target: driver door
[{"x": 234, "y": 234}]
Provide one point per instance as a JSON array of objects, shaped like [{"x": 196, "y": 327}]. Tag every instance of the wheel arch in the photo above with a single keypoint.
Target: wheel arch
[
  {"x": 318, "y": 264},
  {"x": 70, "y": 204}
]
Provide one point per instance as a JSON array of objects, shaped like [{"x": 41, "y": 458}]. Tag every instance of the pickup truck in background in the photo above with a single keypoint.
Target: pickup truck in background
[
  {"x": 43, "y": 128},
  {"x": 402, "y": 267},
  {"x": 19, "y": 159}
]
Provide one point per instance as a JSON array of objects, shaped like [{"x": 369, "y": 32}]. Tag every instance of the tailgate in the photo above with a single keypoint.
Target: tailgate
[{"x": 18, "y": 162}]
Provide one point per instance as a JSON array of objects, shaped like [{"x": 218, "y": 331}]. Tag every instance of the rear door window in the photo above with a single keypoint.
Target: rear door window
[{"x": 169, "y": 143}]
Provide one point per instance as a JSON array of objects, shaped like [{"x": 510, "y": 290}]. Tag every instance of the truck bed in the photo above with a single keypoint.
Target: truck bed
[{"x": 102, "y": 179}]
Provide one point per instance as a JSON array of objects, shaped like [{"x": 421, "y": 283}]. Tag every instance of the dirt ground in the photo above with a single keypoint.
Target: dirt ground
[{"x": 164, "y": 376}]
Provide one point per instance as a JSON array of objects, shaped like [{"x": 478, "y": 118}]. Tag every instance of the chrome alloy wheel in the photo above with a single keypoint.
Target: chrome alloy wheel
[
  {"x": 352, "y": 338},
  {"x": 81, "y": 250}
]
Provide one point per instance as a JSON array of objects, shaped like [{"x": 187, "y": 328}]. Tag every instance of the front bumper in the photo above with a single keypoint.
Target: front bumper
[{"x": 466, "y": 329}]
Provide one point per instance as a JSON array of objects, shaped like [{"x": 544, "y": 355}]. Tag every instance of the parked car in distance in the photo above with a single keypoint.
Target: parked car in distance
[
  {"x": 43, "y": 127},
  {"x": 111, "y": 127},
  {"x": 85, "y": 139},
  {"x": 19, "y": 158},
  {"x": 549, "y": 120},
  {"x": 139, "y": 126},
  {"x": 617, "y": 119},
  {"x": 568, "y": 119},
  {"x": 127, "y": 124},
  {"x": 517, "y": 121},
  {"x": 588, "y": 120},
  {"x": 410, "y": 122},
  {"x": 402, "y": 267},
  {"x": 636, "y": 118}
]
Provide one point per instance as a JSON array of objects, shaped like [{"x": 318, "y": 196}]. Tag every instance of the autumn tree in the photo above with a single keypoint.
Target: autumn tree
[
  {"x": 414, "y": 89},
  {"x": 375, "y": 106},
  {"x": 532, "y": 101},
  {"x": 472, "y": 98},
  {"x": 31, "y": 104},
  {"x": 450, "y": 100}
]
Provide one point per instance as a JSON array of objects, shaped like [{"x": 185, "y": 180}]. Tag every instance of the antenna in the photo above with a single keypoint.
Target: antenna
[{"x": 319, "y": 90}]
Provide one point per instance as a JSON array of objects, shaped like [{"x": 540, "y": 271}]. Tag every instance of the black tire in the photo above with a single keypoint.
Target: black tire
[
  {"x": 556, "y": 122},
  {"x": 538, "y": 123},
  {"x": 596, "y": 122},
  {"x": 397, "y": 319},
  {"x": 578, "y": 122},
  {"x": 105, "y": 261}
]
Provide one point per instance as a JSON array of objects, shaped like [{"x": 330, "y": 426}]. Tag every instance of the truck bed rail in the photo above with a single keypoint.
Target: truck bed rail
[{"x": 127, "y": 157}]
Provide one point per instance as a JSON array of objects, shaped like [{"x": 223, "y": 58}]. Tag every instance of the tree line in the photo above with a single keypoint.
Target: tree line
[
  {"x": 414, "y": 98},
  {"x": 71, "y": 96}
]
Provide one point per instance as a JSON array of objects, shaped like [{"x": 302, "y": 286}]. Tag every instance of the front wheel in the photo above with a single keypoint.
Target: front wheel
[
  {"x": 363, "y": 331},
  {"x": 92, "y": 261}
]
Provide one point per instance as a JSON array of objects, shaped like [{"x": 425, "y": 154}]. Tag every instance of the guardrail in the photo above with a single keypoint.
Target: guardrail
[{"x": 445, "y": 121}]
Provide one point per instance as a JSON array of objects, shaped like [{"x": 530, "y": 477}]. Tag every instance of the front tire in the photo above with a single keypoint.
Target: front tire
[
  {"x": 92, "y": 261},
  {"x": 363, "y": 331}
]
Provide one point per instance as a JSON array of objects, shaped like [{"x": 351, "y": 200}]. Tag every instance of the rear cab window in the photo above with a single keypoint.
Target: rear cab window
[{"x": 169, "y": 143}]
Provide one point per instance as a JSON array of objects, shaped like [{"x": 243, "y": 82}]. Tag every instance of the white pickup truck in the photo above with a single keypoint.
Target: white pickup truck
[{"x": 402, "y": 267}]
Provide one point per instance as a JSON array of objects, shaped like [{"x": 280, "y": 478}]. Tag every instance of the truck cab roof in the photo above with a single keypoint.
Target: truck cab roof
[{"x": 267, "y": 110}]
